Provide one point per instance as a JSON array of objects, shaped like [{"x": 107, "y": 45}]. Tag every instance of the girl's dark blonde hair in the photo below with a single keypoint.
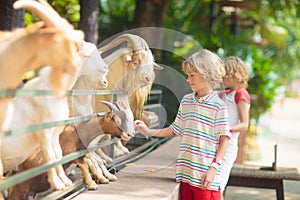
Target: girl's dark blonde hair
[
  {"x": 208, "y": 64},
  {"x": 235, "y": 67}
]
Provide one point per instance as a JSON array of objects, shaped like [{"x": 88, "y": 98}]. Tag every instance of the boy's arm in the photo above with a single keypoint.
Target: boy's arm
[
  {"x": 165, "y": 132},
  {"x": 143, "y": 129},
  {"x": 208, "y": 177}
]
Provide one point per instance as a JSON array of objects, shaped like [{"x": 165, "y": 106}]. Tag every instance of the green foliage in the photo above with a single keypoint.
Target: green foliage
[
  {"x": 29, "y": 19},
  {"x": 263, "y": 82},
  {"x": 190, "y": 18},
  {"x": 115, "y": 17},
  {"x": 69, "y": 9}
]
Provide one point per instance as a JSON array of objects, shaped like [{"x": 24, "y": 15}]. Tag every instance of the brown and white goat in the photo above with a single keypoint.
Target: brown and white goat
[{"x": 117, "y": 122}]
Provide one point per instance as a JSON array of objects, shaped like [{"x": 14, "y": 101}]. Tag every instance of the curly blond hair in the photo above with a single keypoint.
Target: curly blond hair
[
  {"x": 208, "y": 64},
  {"x": 235, "y": 67}
]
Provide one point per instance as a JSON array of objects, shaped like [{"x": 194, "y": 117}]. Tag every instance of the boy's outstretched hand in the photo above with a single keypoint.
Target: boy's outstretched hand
[{"x": 141, "y": 127}]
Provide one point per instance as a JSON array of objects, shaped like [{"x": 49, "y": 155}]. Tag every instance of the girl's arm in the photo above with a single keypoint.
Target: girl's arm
[
  {"x": 224, "y": 140},
  {"x": 243, "y": 108}
]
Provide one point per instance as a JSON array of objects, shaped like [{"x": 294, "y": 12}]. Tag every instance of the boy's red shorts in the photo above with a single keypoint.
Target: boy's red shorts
[{"x": 189, "y": 192}]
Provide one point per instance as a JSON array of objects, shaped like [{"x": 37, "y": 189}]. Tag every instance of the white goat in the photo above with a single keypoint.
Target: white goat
[
  {"x": 64, "y": 55},
  {"x": 95, "y": 72},
  {"x": 52, "y": 47},
  {"x": 82, "y": 105},
  {"x": 34, "y": 110}
]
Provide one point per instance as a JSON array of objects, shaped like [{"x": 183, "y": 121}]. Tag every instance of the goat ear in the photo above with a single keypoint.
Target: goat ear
[
  {"x": 122, "y": 105},
  {"x": 110, "y": 115}
]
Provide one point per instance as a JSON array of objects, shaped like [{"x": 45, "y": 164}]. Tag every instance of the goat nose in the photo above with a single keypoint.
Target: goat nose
[
  {"x": 105, "y": 83},
  {"x": 130, "y": 134}
]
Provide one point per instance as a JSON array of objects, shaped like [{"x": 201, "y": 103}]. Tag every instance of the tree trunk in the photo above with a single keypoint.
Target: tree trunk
[
  {"x": 9, "y": 17},
  {"x": 150, "y": 13},
  {"x": 89, "y": 12}
]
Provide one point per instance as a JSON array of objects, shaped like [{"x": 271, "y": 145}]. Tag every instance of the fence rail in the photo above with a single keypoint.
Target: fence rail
[
  {"x": 20, "y": 177},
  {"x": 17, "y": 178}
]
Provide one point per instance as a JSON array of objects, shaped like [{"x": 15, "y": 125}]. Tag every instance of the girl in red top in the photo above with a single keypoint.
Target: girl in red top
[{"x": 237, "y": 100}]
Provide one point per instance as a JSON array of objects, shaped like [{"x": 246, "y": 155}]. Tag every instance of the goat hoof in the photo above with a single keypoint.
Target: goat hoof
[
  {"x": 93, "y": 186},
  {"x": 67, "y": 181},
  {"x": 125, "y": 151},
  {"x": 104, "y": 181},
  {"x": 112, "y": 178},
  {"x": 59, "y": 187}
]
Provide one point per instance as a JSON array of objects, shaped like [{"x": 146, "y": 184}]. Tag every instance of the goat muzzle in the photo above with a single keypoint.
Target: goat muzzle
[{"x": 127, "y": 135}]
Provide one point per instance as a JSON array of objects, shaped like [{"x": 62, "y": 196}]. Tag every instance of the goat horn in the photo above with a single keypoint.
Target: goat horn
[
  {"x": 110, "y": 105},
  {"x": 136, "y": 42},
  {"x": 50, "y": 17}
]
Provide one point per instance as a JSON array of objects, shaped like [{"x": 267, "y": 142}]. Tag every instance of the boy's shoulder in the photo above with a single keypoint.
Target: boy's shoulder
[
  {"x": 188, "y": 98},
  {"x": 213, "y": 99}
]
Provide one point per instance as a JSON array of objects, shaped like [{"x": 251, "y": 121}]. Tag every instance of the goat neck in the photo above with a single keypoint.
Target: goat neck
[{"x": 87, "y": 131}]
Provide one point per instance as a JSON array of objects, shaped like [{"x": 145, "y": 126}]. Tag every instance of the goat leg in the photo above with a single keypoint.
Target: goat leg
[
  {"x": 105, "y": 172},
  {"x": 50, "y": 156},
  {"x": 92, "y": 185},
  {"x": 119, "y": 145},
  {"x": 95, "y": 169},
  {"x": 105, "y": 158},
  {"x": 58, "y": 154}
]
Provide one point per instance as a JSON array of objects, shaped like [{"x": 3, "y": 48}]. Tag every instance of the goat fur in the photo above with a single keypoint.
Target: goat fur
[
  {"x": 94, "y": 71},
  {"x": 34, "y": 110},
  {"x": 52, "y": 48},
  {"x": 70, "y": 142}
]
